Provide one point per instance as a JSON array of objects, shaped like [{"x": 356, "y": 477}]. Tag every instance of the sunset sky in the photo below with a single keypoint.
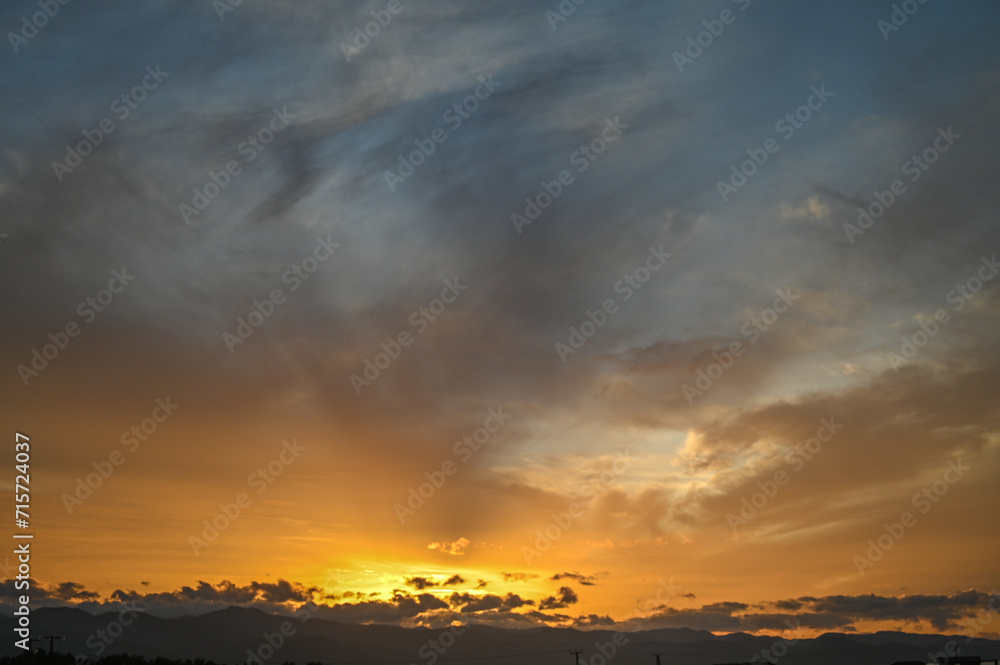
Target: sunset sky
[{"x": 507, "y": 315}]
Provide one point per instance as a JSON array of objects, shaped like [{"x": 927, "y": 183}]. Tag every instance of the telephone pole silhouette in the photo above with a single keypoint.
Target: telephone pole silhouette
[
  {"x": 51, "y": 639},
  {"x": 658, "y": 658},
  {"x": 577, "y": 652}
]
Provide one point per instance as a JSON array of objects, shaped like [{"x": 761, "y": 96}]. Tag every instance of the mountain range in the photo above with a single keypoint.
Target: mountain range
[{"x": 241, "y": 635}]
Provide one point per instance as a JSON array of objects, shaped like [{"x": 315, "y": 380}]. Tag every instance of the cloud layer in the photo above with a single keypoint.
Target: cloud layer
[{"x": 482, "y": 270}]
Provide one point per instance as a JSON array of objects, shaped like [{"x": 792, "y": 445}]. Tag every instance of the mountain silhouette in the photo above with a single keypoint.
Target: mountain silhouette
[{"x": 233, "y": 634}]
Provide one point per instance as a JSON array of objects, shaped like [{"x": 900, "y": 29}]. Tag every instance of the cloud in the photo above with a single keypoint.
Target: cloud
[
  {"x": 564, "y": 598},
  {"x": 953, "y": 613},
  {"x": 226, "y": 592},
  {"x": 73, "y": 591},
  {"x": 593, "y": 621},
  {"x": 814, "y": 207},
  {"x": 400, "y": 608},
  {"x": 586, "y": 580},
  {"x": 277, "y": 597},
  {"x": 455, "y": 548},
  {"x": 324, "y": 175},
  {"x": 890, "y": 422},
  {"x": 421, "y": 583},
  {"x": 468, "y": 603},
  {"x": 282, "y": 591},
  {"x": 831, "y": 613},
  {"x": 943, "y": 612}
]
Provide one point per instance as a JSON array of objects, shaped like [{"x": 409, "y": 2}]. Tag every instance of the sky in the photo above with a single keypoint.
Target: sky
[{"x": 520, "y": 313}]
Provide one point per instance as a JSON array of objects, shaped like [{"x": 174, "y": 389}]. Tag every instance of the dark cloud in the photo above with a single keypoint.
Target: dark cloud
[
  {"x": 467, "y": 603},
  {"x": 276, "y": 596},
  {"x": 727, "y": 607},
  {"x": 954, "y": 613},
  {"x": 563, "y": 598},
  {"x": 593, "y": 621},
  {"x": 831, "y": 613},
  {"x": 586, "y": 580},
  {"x": 73, "y": 591},
  {"x": 400, "y": 608},
  {"x": 943, "y": 612},
  {"x": 421, "y": 583},
  {"x": 283, "y": 591},
  {"x": 9, "y": 590},
  {"x": 790, "y": 622},
  {"x": 280, "y": 596}
]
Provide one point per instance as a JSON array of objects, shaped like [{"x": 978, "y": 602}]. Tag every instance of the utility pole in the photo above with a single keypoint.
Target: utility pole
[
  {"x": 658, "y": 658},
  {"x": 577, "y": 652},
  {"x": 51, "y": 639},
  {"x": 32, "y": 651}
]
